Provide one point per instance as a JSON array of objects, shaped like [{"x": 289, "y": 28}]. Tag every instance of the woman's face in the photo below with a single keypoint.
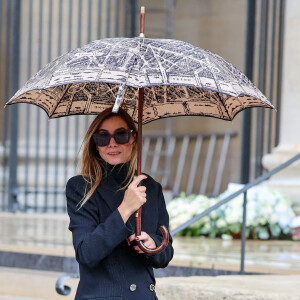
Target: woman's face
[{"x": 115, "y": 153}]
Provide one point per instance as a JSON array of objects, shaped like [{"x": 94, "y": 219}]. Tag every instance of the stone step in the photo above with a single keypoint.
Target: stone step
[{"x": 20, "y": 284}]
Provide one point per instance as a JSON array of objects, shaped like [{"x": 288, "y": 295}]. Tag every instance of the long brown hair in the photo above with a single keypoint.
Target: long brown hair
[{"x": 90, "y": 163}]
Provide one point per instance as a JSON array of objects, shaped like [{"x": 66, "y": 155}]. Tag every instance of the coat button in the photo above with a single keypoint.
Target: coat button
[
  {"x": 132, "y": 287},
  {"x": 151, "y": 287}
]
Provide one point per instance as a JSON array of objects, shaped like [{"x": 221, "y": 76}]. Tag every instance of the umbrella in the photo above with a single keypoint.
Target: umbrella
[{"x": 150, "y": 78}]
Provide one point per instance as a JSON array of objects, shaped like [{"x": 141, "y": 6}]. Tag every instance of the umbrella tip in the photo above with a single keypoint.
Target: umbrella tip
[{"x": 142, "y": 22}]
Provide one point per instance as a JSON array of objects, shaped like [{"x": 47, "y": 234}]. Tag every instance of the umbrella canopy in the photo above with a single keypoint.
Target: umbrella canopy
[{"x": 178, "y": 79}]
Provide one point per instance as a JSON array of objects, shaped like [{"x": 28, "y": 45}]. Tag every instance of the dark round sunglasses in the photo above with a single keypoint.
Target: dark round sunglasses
[{"x": 121, "y": 136}]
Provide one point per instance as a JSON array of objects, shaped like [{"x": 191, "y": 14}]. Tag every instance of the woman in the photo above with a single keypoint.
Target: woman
[{"x": 101, "y": 202}]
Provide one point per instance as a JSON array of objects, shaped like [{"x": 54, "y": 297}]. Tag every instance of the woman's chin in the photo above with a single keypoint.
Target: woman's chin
[{"x": 115, "y": 160}]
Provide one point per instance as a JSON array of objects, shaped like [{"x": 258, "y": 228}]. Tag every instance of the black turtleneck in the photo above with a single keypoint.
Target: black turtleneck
[{"x": 118, "y": 172}]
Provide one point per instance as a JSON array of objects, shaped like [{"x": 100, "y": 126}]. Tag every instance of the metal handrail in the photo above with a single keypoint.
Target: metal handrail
[{"x": 243, "y": 190}]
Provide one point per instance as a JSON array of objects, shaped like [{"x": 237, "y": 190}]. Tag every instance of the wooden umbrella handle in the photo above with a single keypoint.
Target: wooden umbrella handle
[
  {"x": 140, "y": 244},
  {"x": 138, "y": 214}
]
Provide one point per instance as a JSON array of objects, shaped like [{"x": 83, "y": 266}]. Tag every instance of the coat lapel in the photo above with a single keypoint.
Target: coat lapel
[{"x": 110, "y": 193}]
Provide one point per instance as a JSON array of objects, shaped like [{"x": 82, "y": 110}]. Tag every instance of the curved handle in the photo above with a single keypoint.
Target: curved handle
[
  {"x": 60, "y": 287},
  {"x": 162, "y": 246}
]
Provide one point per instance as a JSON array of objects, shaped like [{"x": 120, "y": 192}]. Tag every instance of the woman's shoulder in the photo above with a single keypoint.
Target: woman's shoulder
[
  {"x": 76, "y": 182},
  {"x": 151, "y": 181}
]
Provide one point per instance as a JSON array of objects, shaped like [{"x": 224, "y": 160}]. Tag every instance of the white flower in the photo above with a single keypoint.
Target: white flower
[
  {"x": 283, "y": 220},
  {"x": 232, "y": 218},
  {"x": 226, "y": 237},
  {"x": 207, "y": 226},
  {"x": 179, "y": 221},
  {"x": 213, "y": 215},
  {"x": 206, "y": 219},
  {"x": 221, "y": 223},
  {"x": 265, "y": 207},
  {"x": 273, "y": 219}
]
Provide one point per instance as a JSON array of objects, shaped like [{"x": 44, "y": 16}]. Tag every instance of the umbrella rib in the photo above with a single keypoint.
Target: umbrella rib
[
  {"x": 88, "y": 102},
  {"x": 220, "y": 99},
  {"x": 119, "y": 98},
  {"x": 69, "y": 103},
  {"x": 58, "y": 101}
]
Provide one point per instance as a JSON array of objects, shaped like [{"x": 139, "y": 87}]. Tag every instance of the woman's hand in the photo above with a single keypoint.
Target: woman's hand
[
  {"x": 134, "y": 198},
  {"x": 145, "y": 238}
]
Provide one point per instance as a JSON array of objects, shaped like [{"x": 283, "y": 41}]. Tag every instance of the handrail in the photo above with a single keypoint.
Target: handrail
[{"x": 243, "y": 190}]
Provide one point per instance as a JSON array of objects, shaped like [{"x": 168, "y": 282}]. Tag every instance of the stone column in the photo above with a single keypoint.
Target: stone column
[{"x": 288, "y": 180}]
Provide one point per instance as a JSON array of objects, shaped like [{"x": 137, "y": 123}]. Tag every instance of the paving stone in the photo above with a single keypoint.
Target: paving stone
[
  {"x": 20, "y": 284},
  {"x": 260, "y": 287}
]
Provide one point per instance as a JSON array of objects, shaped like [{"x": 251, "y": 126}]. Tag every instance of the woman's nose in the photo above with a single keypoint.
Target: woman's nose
[{"x": 112, "y": 142}]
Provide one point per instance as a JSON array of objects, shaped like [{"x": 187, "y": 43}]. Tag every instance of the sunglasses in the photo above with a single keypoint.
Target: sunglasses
[{"x": 121, "y": 136}]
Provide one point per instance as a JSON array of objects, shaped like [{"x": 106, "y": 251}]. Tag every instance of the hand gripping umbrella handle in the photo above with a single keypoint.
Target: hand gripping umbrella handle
[
  {"x": 140, "y": 244},
  {"x": 162, "y": 246}
]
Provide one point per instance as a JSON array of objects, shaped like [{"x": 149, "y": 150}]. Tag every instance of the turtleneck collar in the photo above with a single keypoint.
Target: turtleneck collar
[{"x": 118, "y": 172}]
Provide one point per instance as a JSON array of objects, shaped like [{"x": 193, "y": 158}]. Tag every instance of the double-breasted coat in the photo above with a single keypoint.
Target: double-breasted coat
[{"x": 109, "y": 268}]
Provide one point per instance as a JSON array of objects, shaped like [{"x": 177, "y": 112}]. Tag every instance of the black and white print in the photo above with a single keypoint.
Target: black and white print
[{"x": 179, "y": 79}]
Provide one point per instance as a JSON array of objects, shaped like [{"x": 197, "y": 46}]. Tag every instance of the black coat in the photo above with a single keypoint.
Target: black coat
[{"x": 109, "y": 268}]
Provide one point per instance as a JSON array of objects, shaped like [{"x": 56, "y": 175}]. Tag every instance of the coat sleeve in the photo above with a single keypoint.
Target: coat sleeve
[
  {"x": 92, "y": 240},
  {"x": 161, "y": 260}
]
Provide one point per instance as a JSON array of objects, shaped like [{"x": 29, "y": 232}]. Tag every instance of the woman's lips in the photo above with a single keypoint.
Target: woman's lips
[{"x": 113, "y": 153}]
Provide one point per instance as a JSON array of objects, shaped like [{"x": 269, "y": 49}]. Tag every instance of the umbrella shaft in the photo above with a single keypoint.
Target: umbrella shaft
[
  {"x": 139, "y": 156},
  {"x": 140, "y": 132},
  {"x": 138, "y": 214}
]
